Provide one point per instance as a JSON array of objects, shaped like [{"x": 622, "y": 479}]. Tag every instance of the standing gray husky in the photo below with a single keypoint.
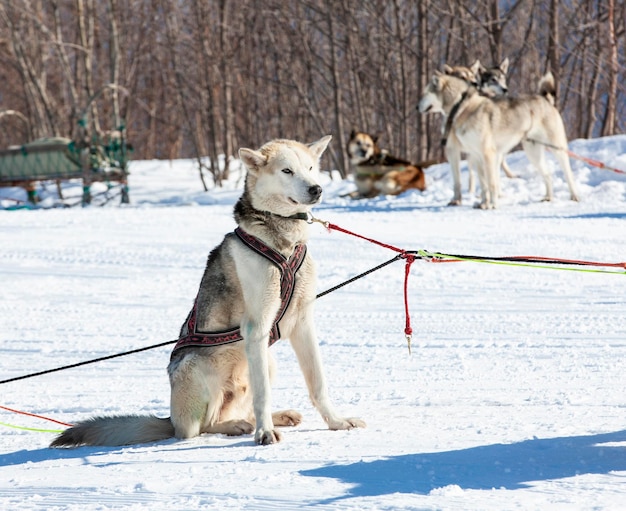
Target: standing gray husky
[
  {"x": 258, "y": 287},
  {"x": 490, "y": 82},
  {"x": 488, "y": 129}
]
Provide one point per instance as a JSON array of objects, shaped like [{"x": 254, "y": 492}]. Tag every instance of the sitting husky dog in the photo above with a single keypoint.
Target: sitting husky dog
[
  {"x": 377, "y": 172},
  {"x": 258, "y": 287},
  {"x": 490, "y": 82},
  {"x": 487, "y": 129}
]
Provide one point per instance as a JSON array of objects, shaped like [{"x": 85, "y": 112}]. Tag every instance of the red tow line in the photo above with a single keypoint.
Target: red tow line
[{"x": 403, "y": 254}]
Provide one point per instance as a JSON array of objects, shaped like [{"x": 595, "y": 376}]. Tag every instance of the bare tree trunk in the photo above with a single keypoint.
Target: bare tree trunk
[
  {"x": 608, "y": 125},
  {"x": 335, "y": 81},
  {"x": 208, "y": 107},
  {"x": 172, "y": 32},
  {"x": 65, "y": 64},
  {"x": 403, "y": 145},
  {"x": 353, "y": 64},
  {"x": 114, "y": 51},
  {"x": 554, "y": 60},
  {"x": 422, "y": 73},
  {"x": 34, "y": 83},
  {"x": 592, "y": 100},
  {"x": 86, "y": 27},
  {"x": 495, "y": 32},
  {"x": 225, "y": 72},
  {"x": 245, "y": 71}
]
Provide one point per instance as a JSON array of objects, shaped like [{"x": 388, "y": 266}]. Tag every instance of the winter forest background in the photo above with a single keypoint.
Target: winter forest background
[{"x": 205, "y": 77}]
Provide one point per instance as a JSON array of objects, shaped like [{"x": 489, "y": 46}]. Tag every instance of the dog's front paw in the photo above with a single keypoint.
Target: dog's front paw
[
  {"x": 346, "y": 423},
  {"x": 267, "y": 437},
  {"x": 455, "y": 202}
]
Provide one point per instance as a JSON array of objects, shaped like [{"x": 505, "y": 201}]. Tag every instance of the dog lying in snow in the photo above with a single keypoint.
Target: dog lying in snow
[{"x": 377, "y": 172}]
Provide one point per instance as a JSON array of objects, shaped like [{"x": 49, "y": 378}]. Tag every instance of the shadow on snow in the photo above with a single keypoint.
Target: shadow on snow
[{"x": 509, "y": 466}]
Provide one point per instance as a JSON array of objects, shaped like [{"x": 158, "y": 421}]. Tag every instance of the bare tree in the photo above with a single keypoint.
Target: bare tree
[
  {"x": 608, "y": 125},
  {"x": 203, "y": 77},
  {"x": 422, "y": 77},
  {"x": 173, "y": 32},
  {"x": 554, "y": 60},
  {"x": 25, "y": 41},
  {"x": 336, "y": 86},
  {"x": 114, "y": 52}
]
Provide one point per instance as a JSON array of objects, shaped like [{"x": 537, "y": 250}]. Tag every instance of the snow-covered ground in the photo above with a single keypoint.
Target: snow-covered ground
[{"x": 514, "y": 396}]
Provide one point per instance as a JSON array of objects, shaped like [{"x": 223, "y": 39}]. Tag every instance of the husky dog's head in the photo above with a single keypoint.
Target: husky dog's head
[
  {"x": 432, "y": 101},
  {"x": 443, "y": 92},
  {"x": 283, "y": 175},
  {"x": 361, "y": 147},
  {"x": 492, "y": 81},
  {"x": 470, "y": 74}
]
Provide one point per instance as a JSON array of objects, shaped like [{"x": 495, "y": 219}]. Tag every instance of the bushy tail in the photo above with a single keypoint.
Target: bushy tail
[
  {"x": 547, "y": 87},
  {"x": 115, "y": 431}
]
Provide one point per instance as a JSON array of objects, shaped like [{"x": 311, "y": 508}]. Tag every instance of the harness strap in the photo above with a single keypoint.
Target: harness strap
[
  {"x": 288, "y": 269},
  {"x": 450, "y": 119}
]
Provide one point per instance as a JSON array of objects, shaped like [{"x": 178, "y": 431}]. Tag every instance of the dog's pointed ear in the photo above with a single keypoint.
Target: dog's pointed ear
[
  {"x": 447, "y": 69},
  {"x": 253, "y": 160},
  {"x": 436, "y": 79},
  {"x": 317, "y": 148},
  {"x": 477, "y": 67},
  {"x": 353, "y": 133},
  {"x": 504, "y": 66}
]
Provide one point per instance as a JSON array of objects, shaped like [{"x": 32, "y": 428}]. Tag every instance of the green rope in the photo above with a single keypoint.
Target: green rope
[
  {"x": 40, "y": 430},
  {"x": 436, "y": 255}
]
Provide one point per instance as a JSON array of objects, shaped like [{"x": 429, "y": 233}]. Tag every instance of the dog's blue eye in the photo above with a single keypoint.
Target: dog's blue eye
[{"x": 288, "y": 171}]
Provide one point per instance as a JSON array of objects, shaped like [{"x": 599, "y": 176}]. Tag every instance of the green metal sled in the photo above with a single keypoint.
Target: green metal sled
[{"x": 57, "y": 159}]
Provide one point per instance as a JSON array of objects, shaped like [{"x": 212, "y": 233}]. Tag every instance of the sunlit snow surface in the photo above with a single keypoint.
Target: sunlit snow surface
[{"x": 514, "y": 396}]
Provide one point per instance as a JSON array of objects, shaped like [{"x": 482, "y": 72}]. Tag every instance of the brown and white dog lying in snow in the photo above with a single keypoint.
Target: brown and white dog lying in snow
[{"x": 377, "y": 172}]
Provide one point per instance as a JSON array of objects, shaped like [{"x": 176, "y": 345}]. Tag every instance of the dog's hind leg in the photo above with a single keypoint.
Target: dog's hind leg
[
  {"x": 536, "y": 155},
  {"x": 492, "y": 163},
  {"x": 234, "y": 397},
  {"x": 197, "y": 397},
  {"x": 485, "y": 165},
  {"x": 553, "y": 133},
  {"x": 507, "y": 170},
  {"x": 236, "y": 416},
  {"x": 559, "y": 139},
  {"x": 286, "y": 418},
  {"x": 479, "y": 165},
  {"x": 563, "y": 159}
]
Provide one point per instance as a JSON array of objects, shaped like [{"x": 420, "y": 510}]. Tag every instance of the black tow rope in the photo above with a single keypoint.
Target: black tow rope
[{"x": 166, "y": 343}]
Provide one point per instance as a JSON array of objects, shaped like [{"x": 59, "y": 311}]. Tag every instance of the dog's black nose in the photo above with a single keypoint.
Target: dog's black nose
[{"x": 315, "y": 191}]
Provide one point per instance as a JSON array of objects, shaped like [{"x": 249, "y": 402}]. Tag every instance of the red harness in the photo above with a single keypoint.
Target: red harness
[{"x": 288, "y": 269}]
